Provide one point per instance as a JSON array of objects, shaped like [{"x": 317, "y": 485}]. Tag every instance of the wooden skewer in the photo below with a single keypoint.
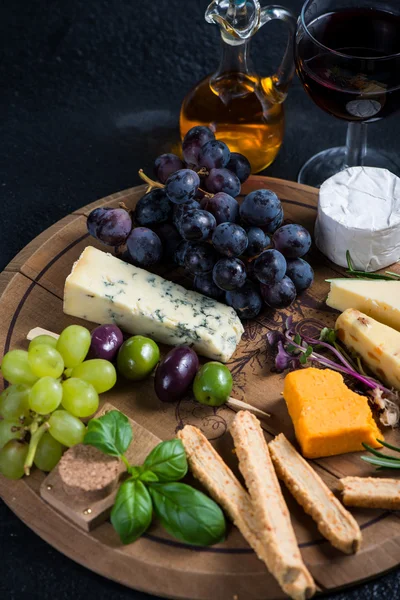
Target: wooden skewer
[
  {"x": 33, "y": 333},
  {"x": 233, "y": 403}
]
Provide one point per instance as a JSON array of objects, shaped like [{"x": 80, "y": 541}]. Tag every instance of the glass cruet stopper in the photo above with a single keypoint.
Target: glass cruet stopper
[{"x": 239, "y": 20}]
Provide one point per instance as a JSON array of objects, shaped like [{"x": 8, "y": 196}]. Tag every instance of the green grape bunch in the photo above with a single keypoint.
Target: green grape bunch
[{"x": 51, "y": 388}]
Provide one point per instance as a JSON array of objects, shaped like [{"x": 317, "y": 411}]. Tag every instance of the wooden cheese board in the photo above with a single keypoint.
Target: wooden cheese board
[{"x": 31, "y": 291}]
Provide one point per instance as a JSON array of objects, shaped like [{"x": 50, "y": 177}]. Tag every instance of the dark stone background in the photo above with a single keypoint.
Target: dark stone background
[{"x": 90, "y": 92}]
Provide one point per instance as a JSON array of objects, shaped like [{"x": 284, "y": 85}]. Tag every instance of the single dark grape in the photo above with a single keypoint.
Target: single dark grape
[
  {"x": 196, "y": 225},
  {"x": 230, "y": 239},
  {"x": 193, "y": 142},
  {"x": 260, "y": 208},
  {"x": 270, "y": 267},
  {"x": 229, "y": 274},
  {"x": 204, "y": 284},
  {"x": 280, "y": 294},
  {"x": 182, "y": 186},
  {"x": 144, "y": 247},
  {"x": 224, "y": 208},
  {"x": 222, "y": 180},
  {"x": 165, "y": 165},
  {"x": 200, "y": 258},
  {"x": 214, "y": 155},
  {"x": 292, "y": 240},
  {"x": 300, "y": 272},
  {"x": 94, "y": 219},
  {"x": 258, "y": 241},
  {"x": 271, "y": 227},
  {"x": 110, "y": 225},
  {"x": 180, "y": 252},
  {"x": 179, "y": 209},
  {"x": 175, "y": 373},
  {"x": 106, "y": 341},
  {"x": 246, "y": 300},
  {"x": 170, "y": 238},
  {"x": 239, "y": 165},
  {"x": 153, "y": 208}
]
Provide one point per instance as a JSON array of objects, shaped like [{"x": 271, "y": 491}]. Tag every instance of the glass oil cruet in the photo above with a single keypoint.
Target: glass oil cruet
[{"x": 244, "y": 109}]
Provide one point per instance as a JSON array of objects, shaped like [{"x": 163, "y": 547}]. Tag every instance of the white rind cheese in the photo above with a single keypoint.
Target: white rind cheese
[
  {"x": 359, "y": 211},
  {"x": 104, "y": 289}
]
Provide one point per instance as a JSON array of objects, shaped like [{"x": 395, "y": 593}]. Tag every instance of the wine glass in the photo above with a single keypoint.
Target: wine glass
[{"x": 347, "y": 55}]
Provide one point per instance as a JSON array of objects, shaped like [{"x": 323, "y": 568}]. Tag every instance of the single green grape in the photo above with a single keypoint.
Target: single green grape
[
  {"x": 15, "y": 368},
  {"x": 137, "y": 357},
  {"x": 66, "y": 429},
  {"x": 73, "y": 345},
  {"x": 11, "y": 430},
  {"x": 47, "y": 340},
  {"x": 48, "y": 452},
  {"x": 12, "y": 459},
  {"x": 99, "y": 372},
  {"x": 14, "y": 403},
  {"x": 79, "y": 397},
  {"x": 45, "y": 396},
  {"x": 45, "y": 361}
]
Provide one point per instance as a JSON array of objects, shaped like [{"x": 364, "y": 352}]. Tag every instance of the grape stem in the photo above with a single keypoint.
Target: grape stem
[
  {"x": 33, "y": 444},
  {"x": 156, "y": 184}
]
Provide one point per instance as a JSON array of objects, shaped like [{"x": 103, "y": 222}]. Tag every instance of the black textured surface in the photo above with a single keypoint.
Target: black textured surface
[{"x": 90, "y": 92}]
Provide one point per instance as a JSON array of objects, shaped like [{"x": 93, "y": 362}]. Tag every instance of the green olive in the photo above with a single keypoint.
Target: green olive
[
  {"x": 213, "y": 384},
  {"x": 137, "y": 357}
]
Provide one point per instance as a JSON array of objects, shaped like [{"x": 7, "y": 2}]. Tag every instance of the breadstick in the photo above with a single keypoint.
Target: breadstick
[
  {"x": 281, "y": 552},
  {"x": 371, "y": 492},
  {"x": 224, "y": 487},
  {"x": 333, "y": 520}
]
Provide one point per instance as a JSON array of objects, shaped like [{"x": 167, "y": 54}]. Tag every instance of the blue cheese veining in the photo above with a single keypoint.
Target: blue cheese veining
[{"x": 104, "y": 289}]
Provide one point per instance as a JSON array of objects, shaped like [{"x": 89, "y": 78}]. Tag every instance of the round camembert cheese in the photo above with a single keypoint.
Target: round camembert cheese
[{"x": 359, "y": 211}]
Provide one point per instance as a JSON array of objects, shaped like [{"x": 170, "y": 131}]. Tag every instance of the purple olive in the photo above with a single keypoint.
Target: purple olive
[
  {"x": 106, "y": 341},
  {"x": 175, "y": 373}
]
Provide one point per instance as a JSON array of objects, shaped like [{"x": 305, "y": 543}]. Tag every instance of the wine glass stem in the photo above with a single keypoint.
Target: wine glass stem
[{"x": 356, "y": 144}]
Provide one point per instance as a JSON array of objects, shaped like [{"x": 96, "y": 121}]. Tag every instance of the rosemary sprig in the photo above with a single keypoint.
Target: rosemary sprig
[
  {"x": 383, "y": 461},
  {"x": 388, "y": 276}
]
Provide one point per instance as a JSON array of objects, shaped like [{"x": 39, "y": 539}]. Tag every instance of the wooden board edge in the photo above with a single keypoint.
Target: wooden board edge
[
  {"x": 15, "y": 265},
  {"x": 101, "y": 559}
]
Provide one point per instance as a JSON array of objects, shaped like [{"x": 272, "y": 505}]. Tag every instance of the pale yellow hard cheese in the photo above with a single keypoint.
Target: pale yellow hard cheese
[
  {"x": 377, "y": 344},
  {"x": 378, "y": 299}
]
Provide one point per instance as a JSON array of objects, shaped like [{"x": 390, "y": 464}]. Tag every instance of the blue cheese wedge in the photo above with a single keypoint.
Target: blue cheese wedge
[{"x": 104, "y": 289}]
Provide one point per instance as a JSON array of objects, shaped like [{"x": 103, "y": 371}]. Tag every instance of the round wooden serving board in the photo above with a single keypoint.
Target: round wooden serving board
[{"x": 31, "y": 292}]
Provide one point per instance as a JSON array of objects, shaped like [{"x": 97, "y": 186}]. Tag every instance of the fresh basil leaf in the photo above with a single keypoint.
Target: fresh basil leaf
[
  {"x": 167, "y": 461},
  {"x": 134, "y": 472},
  {"x": 147, "y": 476},
  {"x": 132, "y": 512},
  {"x": 110, "y": 433},
  {"x": 187, "y": 514}
]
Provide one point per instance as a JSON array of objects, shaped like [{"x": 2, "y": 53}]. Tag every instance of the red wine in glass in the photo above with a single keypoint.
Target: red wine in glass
[
  {"x": 357, "y": 83},
  {"x": 348, "y": 59}
]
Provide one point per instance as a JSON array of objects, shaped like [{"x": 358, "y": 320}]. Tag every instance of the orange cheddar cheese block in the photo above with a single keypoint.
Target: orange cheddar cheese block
[{"x": 328, "y": 417}]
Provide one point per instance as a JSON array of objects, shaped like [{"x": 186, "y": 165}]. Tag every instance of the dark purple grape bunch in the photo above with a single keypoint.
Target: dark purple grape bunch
[
  {"x": 276, "y": 271},
  {"x": 240, "y": 254}
]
